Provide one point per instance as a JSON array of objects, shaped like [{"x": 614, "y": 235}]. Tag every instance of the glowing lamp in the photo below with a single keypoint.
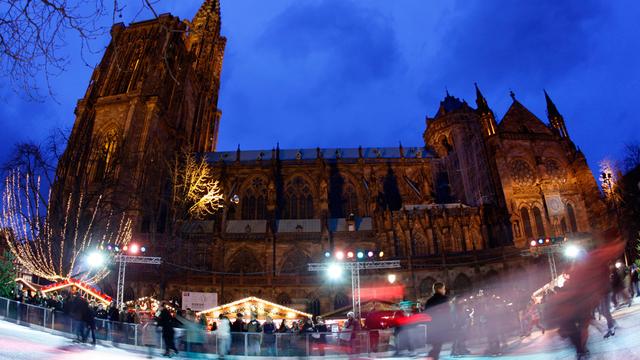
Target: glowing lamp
[
  {"x": 339, "y": 255},
  {"x": 143, "y": 249},
  {"x": 350, "y": 254},
  {"x": 327, "y": 254},
  {"x": 572, "y": 251},
  {"x": 533, "y": 243},
  {"x": 540, "y": 241},
  {"x": 334, "y": 271},
  {"x": 134, "y": 248},
  {"x": 95, "y": 259},
  {"x": 370, "y": 254},
  {"x": 381, "y": 254},
  {"x": 618, "y": 265},
  {"x": 360, "y": 254},
  {"x": 391, "y": 278}
]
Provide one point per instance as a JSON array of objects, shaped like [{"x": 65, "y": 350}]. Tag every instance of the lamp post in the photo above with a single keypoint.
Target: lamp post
[{"x": 609, "y": 189}]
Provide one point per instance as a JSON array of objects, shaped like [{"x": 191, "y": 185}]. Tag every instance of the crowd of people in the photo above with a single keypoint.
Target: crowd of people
[{"x": 482, "y": 316}]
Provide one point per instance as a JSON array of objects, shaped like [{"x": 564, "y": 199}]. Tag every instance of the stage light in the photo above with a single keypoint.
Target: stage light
[
  {"x": 381, "y": 254},
  {"x": 360, "y": 255},
  {"x": 572, "y": 251},
  {"x": 334, "y": 271},
  {"x": 339, "y": 255},
  {"x": 533, "y": 243},
  {"x": 143, "y": 249},
  {"x": 350, "y": 254},
  {"x": 370, "y": 254},
  {"x": 327, "y": 254},
  {"x": 134, "y": 248},
  {"x": 540, "y": 241},
  {"x": 391, "y": 278},
  {"x": 125, "y": 248},
  {"x": 95, "y": 259}
]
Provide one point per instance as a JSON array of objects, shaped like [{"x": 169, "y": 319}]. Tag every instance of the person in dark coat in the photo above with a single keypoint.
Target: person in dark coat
[
  {"x": 321, "y": 338},
  {"x": 166, "y": 321},
  {"x": 237, "y": 338},
  {"x": 89, "y": 319},
  {"x": 438, "y": 308}
]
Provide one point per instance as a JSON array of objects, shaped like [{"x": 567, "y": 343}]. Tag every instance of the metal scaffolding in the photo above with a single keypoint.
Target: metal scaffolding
[
  {"x": 122, "y": 261},
  {"x": 355, "y": 267}
]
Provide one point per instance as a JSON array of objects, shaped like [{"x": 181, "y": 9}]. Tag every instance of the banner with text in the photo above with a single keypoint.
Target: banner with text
[{"x": 199, "y": 301}]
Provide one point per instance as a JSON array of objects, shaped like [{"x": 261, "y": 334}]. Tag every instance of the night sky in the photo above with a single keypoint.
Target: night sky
[{"x": 343, "y": 73}]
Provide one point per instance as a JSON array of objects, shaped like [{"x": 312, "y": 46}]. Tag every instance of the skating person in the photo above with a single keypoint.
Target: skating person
[
  {"x": 224, "y": 336},
  {"x": 438, "y": 308},
  {"x": 165, "y": 320}
]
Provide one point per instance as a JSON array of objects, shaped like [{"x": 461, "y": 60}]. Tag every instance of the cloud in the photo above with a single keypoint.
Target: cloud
[{"x": 346, "y": 43}]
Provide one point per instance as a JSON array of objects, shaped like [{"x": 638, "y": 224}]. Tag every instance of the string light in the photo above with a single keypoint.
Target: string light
[{"x": 44, "y": 248}]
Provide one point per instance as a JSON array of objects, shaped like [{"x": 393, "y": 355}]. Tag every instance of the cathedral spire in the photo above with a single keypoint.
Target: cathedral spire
[
  {"x": 207, "y": 15},
  {"x": 555, "y": 118},
  {"x": 481, "y": 102},
  {"x": 488, "y": 120}
]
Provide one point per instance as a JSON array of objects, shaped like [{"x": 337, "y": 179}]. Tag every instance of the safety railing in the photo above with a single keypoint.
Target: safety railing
[{"x": 192, "y": 339}]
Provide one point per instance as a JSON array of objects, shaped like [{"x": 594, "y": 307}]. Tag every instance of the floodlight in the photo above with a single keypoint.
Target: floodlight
[
  {"x": 533, "y": 243},
  {"x": 334, "y": 271},
  {"x": 360, "y": 254},
  {"x": 572, "y": 251},
  {"x": 95, "y": 259},
  {"x": 134, "y": 248},
  {"x": 339, "y": 255}
]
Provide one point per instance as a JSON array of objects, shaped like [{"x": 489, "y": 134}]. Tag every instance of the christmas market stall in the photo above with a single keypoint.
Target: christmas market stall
[
  {"x": 247, "y": 306},
  {"x": 74, "y": 285}
]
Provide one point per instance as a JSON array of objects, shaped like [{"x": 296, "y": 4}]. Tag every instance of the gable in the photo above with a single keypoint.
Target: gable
[{"x": 519, "y": 119}]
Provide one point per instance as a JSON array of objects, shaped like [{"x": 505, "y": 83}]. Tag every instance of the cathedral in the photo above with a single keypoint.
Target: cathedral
[{"x": 459, "y": 208}]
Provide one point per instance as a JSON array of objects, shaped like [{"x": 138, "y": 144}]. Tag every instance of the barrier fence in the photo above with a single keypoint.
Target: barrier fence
[
  {"x": 198, "y": 341},
  {"x": 190, "y": 338}
]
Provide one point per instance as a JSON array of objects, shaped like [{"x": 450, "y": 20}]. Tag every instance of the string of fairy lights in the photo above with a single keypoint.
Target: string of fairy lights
[{"x": 48, "y": 251}]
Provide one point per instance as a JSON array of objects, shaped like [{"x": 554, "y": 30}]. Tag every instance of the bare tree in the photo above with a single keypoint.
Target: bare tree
[
  {"x": 33, "y": 33},
  {"x": 631, "y": 158}
]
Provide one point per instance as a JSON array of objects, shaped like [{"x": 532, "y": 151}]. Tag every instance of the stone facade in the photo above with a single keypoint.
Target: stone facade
[{"x": 458, "y": 208}]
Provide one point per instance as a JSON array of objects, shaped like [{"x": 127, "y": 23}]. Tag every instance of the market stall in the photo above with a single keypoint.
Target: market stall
[
  {"x": 247, "y": 306},
  {"x": 78, "y": 285}
]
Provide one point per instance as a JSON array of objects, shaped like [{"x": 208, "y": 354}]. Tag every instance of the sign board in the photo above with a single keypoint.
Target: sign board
[{"x": 199, "y": 301}]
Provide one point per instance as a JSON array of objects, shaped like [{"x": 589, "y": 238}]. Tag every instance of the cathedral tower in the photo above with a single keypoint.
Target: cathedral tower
[{"x": 154, "y": 93}]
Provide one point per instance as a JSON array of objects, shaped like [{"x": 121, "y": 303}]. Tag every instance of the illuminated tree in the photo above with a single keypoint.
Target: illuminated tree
[
  {"x": 51, "y": 245},
  {"x": 196, "y": 192}
]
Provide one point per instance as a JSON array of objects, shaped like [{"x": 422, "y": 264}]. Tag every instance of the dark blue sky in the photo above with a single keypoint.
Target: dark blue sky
[{"x": 343, "y": 73}]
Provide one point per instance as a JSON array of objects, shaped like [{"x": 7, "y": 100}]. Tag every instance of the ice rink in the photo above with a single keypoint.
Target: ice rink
[{"x": 23, "y": 343}]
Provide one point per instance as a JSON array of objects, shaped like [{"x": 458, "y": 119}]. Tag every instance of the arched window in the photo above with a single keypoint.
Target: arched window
[
  {"x": 526, "y": 223},
  {"x": 461, "y": 284},
  {"x": 295, "y": 262},
  {"x": 253, "y": 201},
  {"x": 350, "y": 201},
  {"x": 107, "y": 154},
  {"x": 572, "y": 218},
  {"x": 341, "y": 301},
  {"x": 539, "y": 224},
  {"x": 522, "y": 173},
  {"x": 298, "y": 202},
  {"x": 244, "y": 261}
]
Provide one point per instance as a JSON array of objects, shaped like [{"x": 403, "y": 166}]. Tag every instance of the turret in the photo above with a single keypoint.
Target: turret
[
  {"x": 555, "y": 119},
  {"x": 487, "y": 118}
]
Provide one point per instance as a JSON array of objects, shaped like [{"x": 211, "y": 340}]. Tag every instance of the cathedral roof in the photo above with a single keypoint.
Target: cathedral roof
[
  {"x": 326, "y": 153},
  {"x": 519, "y": 119},
  {"x": 450, "y": 104}
]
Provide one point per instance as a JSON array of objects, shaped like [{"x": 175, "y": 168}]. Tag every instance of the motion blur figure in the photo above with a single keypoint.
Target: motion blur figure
[
  {"x": 570, "y": 309},
  {"x": 438, "y": 307}
]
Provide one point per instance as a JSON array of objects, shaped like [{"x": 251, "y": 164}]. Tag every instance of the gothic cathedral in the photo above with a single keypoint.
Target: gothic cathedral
[{"x": 459, "y": 208}]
